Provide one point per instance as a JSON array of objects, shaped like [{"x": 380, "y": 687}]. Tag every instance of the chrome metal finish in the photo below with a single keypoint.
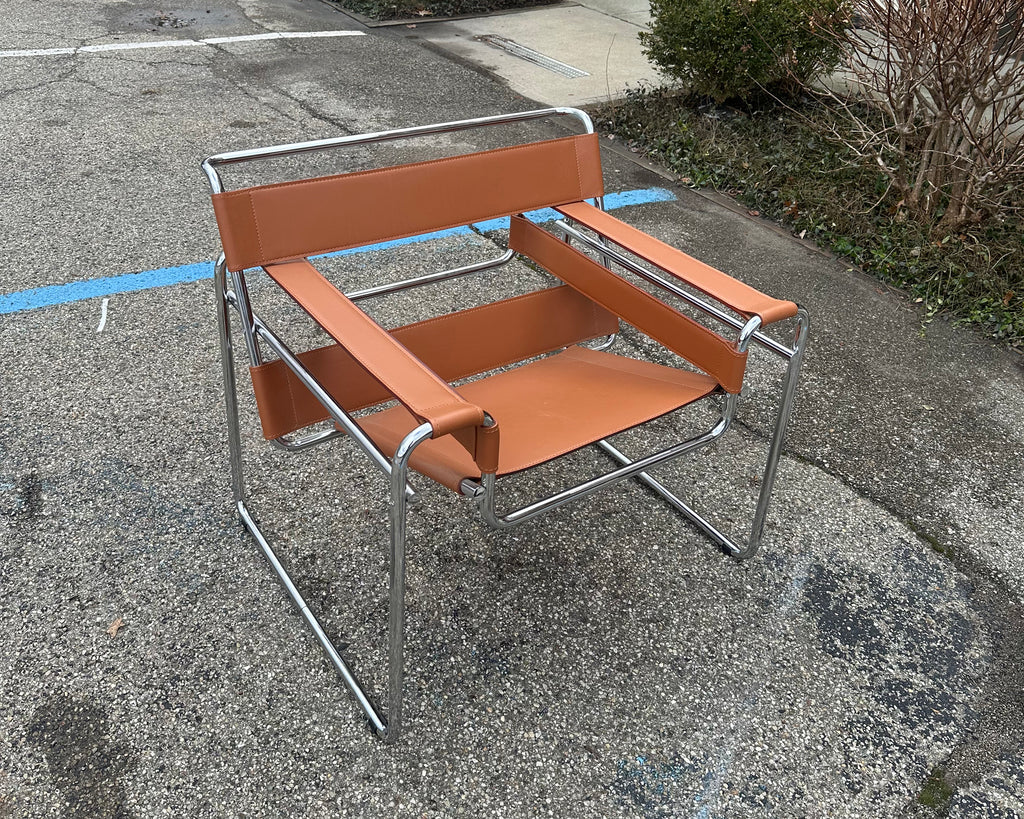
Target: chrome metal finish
[
  {"x": 210, "y": 164},
  {"x": 244, "y": 307},
  {"x": 227, "y": 360},
  {"x": 710, "y": 530},
  {"x": 606, "y": 344},
  {"x": 469, "y": 488},
  {"x": 778, "y": 436},
  {"x": 379, "y": 724},
  {"x": 334, "y": 409},
  {"x": 430, "y": 278},
  {"x": 588, "y": 487},
  {"x": 649, "y": 276},
  {"x": 747, "y": 333},
  {"x": 288, "y": 444},
  {"x": 396, "y": 612}
]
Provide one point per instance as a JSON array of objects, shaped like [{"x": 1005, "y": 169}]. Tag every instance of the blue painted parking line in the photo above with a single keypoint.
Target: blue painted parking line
[{"x": 56, "y": 294}]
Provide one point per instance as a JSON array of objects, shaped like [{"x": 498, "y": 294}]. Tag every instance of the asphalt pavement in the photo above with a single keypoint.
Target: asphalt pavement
[{"x": 605, "y": 660}]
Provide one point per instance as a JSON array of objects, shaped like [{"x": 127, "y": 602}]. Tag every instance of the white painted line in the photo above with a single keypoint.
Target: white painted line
[
  {"x": 209, "y": 41},
  {"x": 103, "y": 316},
  {"x": 93, "y": 49},
  {"x": 37, "y": 52}
]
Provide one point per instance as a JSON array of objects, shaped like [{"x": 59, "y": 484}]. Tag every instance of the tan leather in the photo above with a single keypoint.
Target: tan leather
[
  {"x": 454, "y": 346},
  {"x": 547, "y": 408},
  {"x": 739, "y": 296},
  {"x": 273, "y": 223},
  {"x": 677, "y": 332},
  {"x": 427, "y": 397}
]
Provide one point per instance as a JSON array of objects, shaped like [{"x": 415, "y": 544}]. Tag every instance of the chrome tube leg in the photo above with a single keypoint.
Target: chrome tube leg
[
  {"x": 227, "y": 359},
  {"x": 778, "y": 439},
  {"x": 396, "y": 604},
  {"x": 675, "y": 502},
  {"x": 379, "y": 726},
  {"x": 786, "y": 401}
]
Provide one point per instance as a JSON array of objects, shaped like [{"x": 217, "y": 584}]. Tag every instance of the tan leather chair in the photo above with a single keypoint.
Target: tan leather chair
[{"x": 570, "y": 392}]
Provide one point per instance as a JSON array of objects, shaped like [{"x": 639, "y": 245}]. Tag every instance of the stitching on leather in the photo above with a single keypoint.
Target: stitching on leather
[
  {"x": 256, "y": 223},
  {"x": 579, "y": 171},
  {"x": 291, "y": 395},
  {"x": 617, "y": 430},
  {"x": 532, "y": 205},
  {"x": 524, "y": 147}
]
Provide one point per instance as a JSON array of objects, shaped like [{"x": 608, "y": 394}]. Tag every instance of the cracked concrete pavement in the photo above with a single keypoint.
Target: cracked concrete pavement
[{"x": 603, "y": 661}]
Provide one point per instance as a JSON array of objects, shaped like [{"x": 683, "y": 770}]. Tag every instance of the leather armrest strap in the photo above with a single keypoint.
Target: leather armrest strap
[
  {"x": 407, "y": 378},
  {"x": 740, "y": 297},
  {"x": 676, "y": 331}
]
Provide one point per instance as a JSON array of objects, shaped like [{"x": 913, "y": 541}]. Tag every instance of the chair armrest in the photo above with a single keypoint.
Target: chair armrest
[
  {"x": 741, "y": 297},
  {"x": 422, "y": 392},
  {"x": 678, "y": 332}
]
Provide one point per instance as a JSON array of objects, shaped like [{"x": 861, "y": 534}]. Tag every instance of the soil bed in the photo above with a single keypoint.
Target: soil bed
[{"x": 409, "y": 9}]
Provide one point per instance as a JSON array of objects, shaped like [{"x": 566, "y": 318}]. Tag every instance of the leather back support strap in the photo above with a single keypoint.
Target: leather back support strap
[
  {"x": 454, "y": 346},
  {"x": 424, "y": 394},
  {"x": 679, "y": 333},
  {"x": 740, "y": 297},
  {"x": 273, "y": 223}
]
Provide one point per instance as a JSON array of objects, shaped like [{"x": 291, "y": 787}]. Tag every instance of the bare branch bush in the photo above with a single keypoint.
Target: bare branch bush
[{"x": 938, "y": 103}]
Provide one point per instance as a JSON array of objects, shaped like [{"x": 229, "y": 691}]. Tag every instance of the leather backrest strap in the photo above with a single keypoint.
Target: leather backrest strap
[
  {"x": 274, "y": 223},
  {"x": 454, "y": 346}
]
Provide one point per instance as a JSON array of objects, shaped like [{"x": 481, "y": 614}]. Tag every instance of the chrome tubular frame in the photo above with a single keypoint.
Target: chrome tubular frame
[
  {"x": 386, "y": 724},
  {"x": 749, "y": 331}
]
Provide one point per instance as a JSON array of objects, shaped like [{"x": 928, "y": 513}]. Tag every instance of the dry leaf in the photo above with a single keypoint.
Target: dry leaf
[
  {"x": 115, "y": 627},
  {"x": 423, "y": 13}
]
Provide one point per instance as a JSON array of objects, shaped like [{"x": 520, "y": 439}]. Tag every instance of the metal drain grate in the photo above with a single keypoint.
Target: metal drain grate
[{"x": 531, "y": 56}]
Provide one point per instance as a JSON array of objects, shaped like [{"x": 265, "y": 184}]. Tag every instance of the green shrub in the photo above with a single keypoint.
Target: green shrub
[{"x": 731, "y": 48}]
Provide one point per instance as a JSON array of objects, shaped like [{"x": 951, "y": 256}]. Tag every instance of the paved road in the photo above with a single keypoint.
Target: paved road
[{"x": 601, "y": 662}]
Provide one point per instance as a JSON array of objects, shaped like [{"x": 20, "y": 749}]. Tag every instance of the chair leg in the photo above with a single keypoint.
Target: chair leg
[
  {"x": 227, "y": 359},
  {"x": 396, "y": 607},
  {"x": 785, "y": 411},
  {"x": 386, "y": 726}
]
